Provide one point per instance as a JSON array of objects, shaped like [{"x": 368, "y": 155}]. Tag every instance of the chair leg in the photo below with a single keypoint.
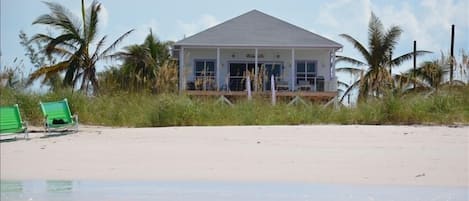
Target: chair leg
[
  {"x": 26, "y": 131},
  {"x": 76, "y": 123}
]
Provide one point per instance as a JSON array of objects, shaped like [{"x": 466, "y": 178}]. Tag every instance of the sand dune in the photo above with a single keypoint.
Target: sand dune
[{"x": 404, "y": 155}]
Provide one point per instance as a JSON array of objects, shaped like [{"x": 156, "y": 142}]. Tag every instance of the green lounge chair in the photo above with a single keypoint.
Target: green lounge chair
[
  {"x": 57, "y": 115},
  {"x": 10, "y": 121}
]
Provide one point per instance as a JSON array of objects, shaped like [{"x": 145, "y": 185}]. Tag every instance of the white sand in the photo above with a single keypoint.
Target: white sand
[{"x": 404, "y": 155}]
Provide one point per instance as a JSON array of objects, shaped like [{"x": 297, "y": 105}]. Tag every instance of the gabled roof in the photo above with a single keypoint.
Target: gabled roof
[{"x": 257, "y": 29}]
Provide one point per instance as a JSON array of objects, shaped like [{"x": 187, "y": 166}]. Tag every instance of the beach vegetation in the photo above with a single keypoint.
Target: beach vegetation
[{"x": 153, "y": 110}]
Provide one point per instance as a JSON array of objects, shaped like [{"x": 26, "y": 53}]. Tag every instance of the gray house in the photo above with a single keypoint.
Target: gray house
[{"x": 257, "y": 46}]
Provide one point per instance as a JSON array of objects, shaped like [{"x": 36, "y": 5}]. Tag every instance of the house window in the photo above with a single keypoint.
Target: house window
[
  {"x": 306, "y": 71},
  {"x": 205, "y": 74}
]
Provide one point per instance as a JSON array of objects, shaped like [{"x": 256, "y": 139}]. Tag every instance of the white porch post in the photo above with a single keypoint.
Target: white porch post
[
  {"x": 181, "y": 70},
  {"x": 217, "y": 74},
  {"x": 256, "y": 71},
  {"x": 293, "y": 76},
  {"x": 332, "y": 71}
]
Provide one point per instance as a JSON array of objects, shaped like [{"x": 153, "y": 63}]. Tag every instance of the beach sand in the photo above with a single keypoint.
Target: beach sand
[{"x": 401, "y": 155}]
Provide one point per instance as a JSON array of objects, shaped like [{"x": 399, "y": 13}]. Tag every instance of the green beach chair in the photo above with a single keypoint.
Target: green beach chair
[
  {"x": 57, "y": 115},
  {"x": 10, "y": 121}
]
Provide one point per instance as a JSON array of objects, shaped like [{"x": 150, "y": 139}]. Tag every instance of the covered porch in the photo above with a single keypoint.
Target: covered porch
[{"x": 308, "y": 71}]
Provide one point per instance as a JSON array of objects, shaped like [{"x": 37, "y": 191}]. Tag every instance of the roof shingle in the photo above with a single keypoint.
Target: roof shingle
[{"x": 257, "y": 29}]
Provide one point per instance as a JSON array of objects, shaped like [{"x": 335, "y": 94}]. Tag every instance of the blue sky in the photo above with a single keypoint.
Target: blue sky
[{"x": 427, "y": 21}]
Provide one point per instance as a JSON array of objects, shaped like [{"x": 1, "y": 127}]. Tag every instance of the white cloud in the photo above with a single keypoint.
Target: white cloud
[
  {"x": 203, "y": 22},
  {"x": 429, "y": 23},
  {"x": 344, "y": 16}
]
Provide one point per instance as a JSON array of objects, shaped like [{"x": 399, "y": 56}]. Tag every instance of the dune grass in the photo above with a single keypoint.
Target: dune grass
[{"x": 146, "y": 110}]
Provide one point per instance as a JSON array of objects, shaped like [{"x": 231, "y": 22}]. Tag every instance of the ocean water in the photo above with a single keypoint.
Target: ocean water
[{"x": 226, "y": 191}]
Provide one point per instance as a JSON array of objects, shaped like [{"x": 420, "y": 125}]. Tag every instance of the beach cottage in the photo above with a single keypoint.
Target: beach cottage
[{"x": 248, "y": 50}]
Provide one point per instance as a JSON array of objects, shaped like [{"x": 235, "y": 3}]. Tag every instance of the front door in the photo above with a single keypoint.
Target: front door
[{"x": 238, "y": 72}]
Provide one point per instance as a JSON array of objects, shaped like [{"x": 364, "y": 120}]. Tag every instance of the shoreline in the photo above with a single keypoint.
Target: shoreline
[{"x": 354, "y": 154}]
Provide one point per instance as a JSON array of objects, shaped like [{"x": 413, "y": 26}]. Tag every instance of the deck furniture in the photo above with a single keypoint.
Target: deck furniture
[
  {"x": 11, "y": 122},
  {"x": 57, "y": 115}
]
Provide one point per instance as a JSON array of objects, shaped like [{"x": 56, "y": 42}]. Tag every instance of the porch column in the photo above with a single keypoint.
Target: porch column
[
  {"x": 217, "y": 74},
  {"x": 255, "y": 71},
  {"x": 181, "y": 71},
  {"x": 292, "y": 75},
  {"x": 332, "y": 72}
]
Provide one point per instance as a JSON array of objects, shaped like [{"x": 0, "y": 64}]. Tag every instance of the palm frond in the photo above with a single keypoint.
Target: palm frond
[
  {"x": 364, "y": 52},
  {"x": 115, "y": 43},
  {"x": 58, "y": 40},
  {"x": 350, "y": 60},
  {"x": 405, "y": 57},
  {"x": 349, "y": 89},
  {"x": 91, "y": 20},
  {"x": 351, "y": 70},
  {"x": 61, "y": 18},
  {"x": 98, "y": 48},
  {"x": 391, "y": 37},
  {"x": 375, "y": 37},
  {"x": 47, "y": 70}
]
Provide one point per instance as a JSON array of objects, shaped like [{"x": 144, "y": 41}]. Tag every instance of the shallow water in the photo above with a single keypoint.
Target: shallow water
[{"x": 207, "y": 191}]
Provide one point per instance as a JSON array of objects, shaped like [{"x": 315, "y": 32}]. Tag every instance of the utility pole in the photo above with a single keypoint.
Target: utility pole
[
  {"x": 451, "y": 67},
  {"x": 390, "y": 63},
  {"x": 415, "y": 62}
]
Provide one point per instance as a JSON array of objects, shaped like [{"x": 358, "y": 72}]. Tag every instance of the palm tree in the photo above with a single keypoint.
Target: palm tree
[
  {"x": 74, "y": 45},
  {"x": 431, "y": 73},
  {"x": 434, "y": 74},
  {"x": 142, "y": 62},
  {"x": 375, "y": 79},
  {"x": 158, "y": 50}
]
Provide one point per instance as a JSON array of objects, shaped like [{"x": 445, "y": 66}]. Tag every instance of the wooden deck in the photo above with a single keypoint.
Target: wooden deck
[{"x": 287, "y": 95}]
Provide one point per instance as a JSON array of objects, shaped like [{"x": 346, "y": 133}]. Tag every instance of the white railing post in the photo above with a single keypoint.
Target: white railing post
[
  {"x": 272, "y": 88},
  {"x": 256, "y": 71},
  {"x": 292, "y": 69},
  {"x": 217, "y": 74},
  {"x": 248, "y": 86},
  {"x": 181, "y": 70}
]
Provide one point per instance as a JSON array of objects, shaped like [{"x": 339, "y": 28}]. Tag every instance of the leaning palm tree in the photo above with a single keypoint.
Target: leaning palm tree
[
  {"x": 74, "y": 45},
  {"x": 431, "y": 73},
  {"x": 375, "y": 79}
]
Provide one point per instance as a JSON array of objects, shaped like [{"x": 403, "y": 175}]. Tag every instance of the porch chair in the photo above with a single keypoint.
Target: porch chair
[
  {"x": 304, "y": 85},
  {"x": 11, "y": 122},
  {"x": 282, "y": 85},
  {"x": 57, "y": 115}
]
